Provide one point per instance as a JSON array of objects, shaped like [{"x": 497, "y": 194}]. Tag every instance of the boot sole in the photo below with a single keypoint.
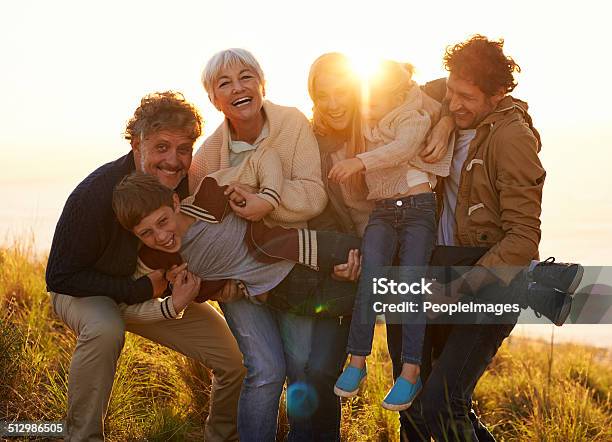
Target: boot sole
[
  {"x": 576, "y": 281},
  {"x": 565, "y": 311}
]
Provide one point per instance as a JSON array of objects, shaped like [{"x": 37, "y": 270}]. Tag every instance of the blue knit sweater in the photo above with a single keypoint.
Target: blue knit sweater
[{"x": 91, "y": 254}]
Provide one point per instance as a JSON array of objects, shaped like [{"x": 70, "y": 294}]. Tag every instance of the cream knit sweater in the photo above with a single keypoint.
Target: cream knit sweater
[
  {"x": 393, "y": 146},
  {"x": 262, "y": 169},
  {"x": 302, "y": 195}
]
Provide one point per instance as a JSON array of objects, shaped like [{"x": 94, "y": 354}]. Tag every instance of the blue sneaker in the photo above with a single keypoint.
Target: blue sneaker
[
  {"x": 402, "y": 394},
  {"x": 348, "y": 383}
]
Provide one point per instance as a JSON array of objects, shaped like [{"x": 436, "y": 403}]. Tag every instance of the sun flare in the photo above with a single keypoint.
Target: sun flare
[{"x": 365, "y": 68}]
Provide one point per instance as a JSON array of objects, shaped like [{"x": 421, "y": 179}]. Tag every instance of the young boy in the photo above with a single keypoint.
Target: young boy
[
  {"x": 218, "y": 245},
  {"x": 293, "y": 266}
]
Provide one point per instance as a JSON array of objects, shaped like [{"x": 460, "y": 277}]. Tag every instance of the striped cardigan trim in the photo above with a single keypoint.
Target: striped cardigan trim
[
  {"x": 307, "y": 240},
  {"x": 271, "y": 193},
  {"x": 199, "y": 213},
  {"x": 269, "y": 244},
  {"x": 166, "y": 309}
]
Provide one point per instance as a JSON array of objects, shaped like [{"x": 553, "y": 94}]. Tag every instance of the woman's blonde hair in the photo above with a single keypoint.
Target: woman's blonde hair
[{"x": 338, "y": 65}]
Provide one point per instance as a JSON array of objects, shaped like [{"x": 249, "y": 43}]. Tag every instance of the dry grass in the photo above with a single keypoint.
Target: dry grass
[{"x": 532, "y": 391}]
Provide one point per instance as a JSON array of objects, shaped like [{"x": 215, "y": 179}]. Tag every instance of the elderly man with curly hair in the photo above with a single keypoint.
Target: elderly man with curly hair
[{"x": 93, "y": 290}]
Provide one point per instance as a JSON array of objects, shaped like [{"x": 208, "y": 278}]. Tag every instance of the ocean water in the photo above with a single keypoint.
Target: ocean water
[{"x": 31, "y": 211}]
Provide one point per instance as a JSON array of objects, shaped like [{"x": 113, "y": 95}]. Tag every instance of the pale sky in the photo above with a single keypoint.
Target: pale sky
[{"x": 73, "y": 71}]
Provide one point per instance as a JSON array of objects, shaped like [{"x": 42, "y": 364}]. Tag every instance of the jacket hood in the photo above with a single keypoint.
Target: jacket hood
[{"x": 511, "y": 109}]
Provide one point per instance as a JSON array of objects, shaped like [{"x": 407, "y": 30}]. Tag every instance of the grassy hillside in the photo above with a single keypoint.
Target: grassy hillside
[{"x": 532, "y": 391}]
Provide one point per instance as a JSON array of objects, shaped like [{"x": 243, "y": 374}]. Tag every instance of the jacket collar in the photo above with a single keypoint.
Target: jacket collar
[{"x": 507, "y": 108}]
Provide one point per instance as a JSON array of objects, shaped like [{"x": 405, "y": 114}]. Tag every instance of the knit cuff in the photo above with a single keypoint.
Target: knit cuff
[
  {"x": 369, "y": 160},
  {"x": 270, "y": 195},
  {"x": 168, "y": 311}
]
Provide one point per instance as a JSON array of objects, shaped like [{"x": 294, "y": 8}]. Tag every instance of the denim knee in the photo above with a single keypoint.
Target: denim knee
[
  {"x": 258, "y": 337},
  {"x": 264, "y": 369},
  {"x": 296, "y": 333},
  {"x": 438, "y": 408}
]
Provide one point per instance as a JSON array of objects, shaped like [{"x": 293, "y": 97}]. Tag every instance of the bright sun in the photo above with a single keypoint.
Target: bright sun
[{"x": 364, "y": 67}]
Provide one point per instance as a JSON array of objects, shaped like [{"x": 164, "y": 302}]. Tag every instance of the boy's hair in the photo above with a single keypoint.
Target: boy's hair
[
  {"x": 482, "y": 61},
  {"x": 161, "y": 111},
  {"x": 137, "y": 196}
]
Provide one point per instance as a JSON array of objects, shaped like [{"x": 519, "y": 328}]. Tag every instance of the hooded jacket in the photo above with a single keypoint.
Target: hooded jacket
[{"x": 499, "y": 200}]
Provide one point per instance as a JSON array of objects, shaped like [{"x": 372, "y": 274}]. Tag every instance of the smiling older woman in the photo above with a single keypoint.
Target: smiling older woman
[
  {"x": 272, "y": 343},
  {"x": 235, "y": 84}
]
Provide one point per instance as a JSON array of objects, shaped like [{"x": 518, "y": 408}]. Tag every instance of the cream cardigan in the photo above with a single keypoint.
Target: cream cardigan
[
  {"x": 393, "y": 147},
  {"x": 302, "y": 195}
]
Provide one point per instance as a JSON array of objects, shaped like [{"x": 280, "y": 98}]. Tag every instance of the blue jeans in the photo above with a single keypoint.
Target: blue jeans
[
  {"x": 405, "y": 227},
  {"x": 315, "y": 346},
  {"x": 315, "y": 355},
  {"x": 454, "y": 358},
  {"x": 443, "y": 410},
  {"x": 277, "y": 344},
  {"x": 257, "y": 333}
]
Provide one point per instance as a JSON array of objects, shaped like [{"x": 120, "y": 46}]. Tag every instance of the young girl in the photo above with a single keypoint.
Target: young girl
[{"x": 402, "y": 223}]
